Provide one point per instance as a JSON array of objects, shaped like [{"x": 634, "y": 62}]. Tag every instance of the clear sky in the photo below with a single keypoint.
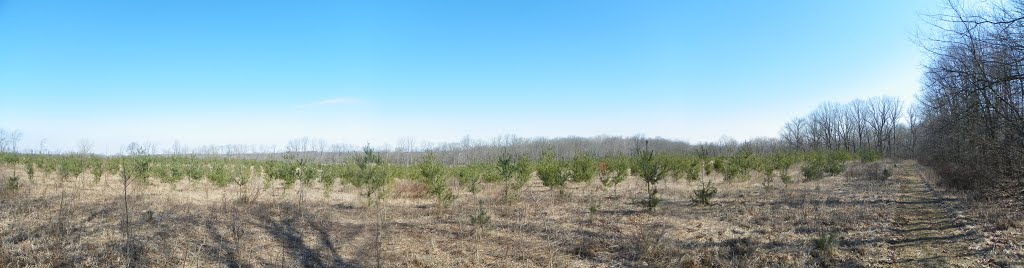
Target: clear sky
[{"x": 264, "y": 72}]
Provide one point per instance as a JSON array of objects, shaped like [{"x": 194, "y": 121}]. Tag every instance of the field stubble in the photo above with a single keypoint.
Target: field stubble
[{"x": 836, "y": 221}]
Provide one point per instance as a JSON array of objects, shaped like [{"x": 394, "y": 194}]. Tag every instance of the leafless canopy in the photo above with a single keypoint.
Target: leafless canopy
[{"x": 972, "y": 111}]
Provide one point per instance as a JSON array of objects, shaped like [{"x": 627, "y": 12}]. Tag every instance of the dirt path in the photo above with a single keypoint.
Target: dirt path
[{"x": 924, "y": 231}]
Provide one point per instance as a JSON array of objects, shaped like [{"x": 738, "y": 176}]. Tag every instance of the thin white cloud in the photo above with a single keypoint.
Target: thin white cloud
[{"x": 333, "y": 102}]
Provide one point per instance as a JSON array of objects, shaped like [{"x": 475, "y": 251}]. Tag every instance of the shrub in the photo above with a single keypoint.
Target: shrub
[
  {"x": 241, "y": 174},
  {"x": 833, "y": 167},
  {"x": 97, "y": 169},
  {"x": 826, "y": 243},
  {"x": 785, "y": 178},
  {"x": 593, "y": 206},
  {"x": 703, "y": 195},
  {"x": 175, "y": 172},
  {"x": 328, "y": 176},
  {"x": 161, "y": 172},
  {"x": 374, "y": 175},
  {"x": 219, "y": 175},
  {"x": 69, "y": 167},
  {"x": 741, "y": 247},
  {"x": 435, "y": 178},
  {"x": 552, "y": 173},
  {"x": 285, "y": 172},
  {"x": 515, "y": 171},
  {"x": 583, "y": 167},
  {"x": 728, "y": 170},
  {"x": 48, "y": 166},
  {"x": 869, "y": 155},
  {"x": 694, "y": 170},
  {"x": 604, "y": 174},
  {"x": 481, "y": 221},
  {"x": 732, "y": 169},
  {"x": 167, "y": 173},
  {"x": 615, "y": 171},
  {"x": 193, "y": 171},
  {"x": 306, "y": 172},
  {"x": 12, "y": 184},
  {"x": 673, "y": 165},
  {"x": 469, "y": 177},
  {"x": 870, "y": 171},
  {"x": 812, "y": 171},
  {"x": 112, "y": 168},
  {"x": 834, "y": 160},
  {"x": 650, "y": 171},
  {"x": 30, "y": 170},
  {"x": 783, "y": 162},
  {"x": 718, "y": 165},
  {"x": 769, "y": 173},
  {"x": 136, "y": 166},
  {"x": 490, "y": 172},
  {"x": 824, "y": 164},
  {"x": 481, "y": 218},
  {"x": 9, "y": 158}
]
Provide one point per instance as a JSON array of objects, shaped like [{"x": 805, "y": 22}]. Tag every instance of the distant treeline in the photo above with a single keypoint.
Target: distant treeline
[
  {"x": 465, "y": 151},
  {"x": 470, "y": 151}
]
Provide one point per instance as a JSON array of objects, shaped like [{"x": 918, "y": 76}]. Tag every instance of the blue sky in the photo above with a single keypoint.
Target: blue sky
[{"x": 264, "y": 72}]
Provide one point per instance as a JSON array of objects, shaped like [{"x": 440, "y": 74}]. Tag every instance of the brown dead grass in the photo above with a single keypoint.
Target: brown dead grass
[{"x": 197, "y": 224}]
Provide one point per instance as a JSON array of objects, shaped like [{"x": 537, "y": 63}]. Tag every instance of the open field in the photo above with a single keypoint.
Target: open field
[
  {"x": 835, "y": 221},
  {"x": 512, "y": 134}
]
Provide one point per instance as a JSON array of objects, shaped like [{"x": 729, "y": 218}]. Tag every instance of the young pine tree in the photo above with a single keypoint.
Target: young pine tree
[
  {"x": 515, "y": 172},
  {"x": 650, "y": 171},
  {"x": 374, "y": 175},
  {"x": 552, "y": 172},
  {"x": 135, "y": 166},
  {"x": 435, "y": 176},
  {"x": 584, "y": 167}
]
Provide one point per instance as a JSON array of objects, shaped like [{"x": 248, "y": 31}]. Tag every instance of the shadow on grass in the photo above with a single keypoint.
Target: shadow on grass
[
  {"x": 290, "y": 236},
  {"x": 225, "y": 251}
]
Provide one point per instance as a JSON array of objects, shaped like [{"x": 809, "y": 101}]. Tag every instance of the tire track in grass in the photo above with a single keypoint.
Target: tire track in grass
[{"x": 924, "y": 232}]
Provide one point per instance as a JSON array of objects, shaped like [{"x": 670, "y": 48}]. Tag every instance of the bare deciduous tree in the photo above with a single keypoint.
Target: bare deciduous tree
[
  {"x": 84, "y": 147},
  {"x": 970, "y": 128}
]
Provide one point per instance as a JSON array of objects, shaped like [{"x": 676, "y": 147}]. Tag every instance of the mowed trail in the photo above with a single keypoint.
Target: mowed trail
[{"x": 925, "y": 232}]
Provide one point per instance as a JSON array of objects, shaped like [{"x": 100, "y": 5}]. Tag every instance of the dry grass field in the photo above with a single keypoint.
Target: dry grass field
[{"x": 837, "y": 221}]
